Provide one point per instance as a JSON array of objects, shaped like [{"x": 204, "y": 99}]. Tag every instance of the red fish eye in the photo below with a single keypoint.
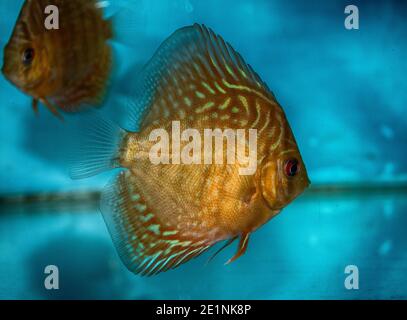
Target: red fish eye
[
  {"x": 291, "y": 167},
  {"x": 28, "y": 56}
]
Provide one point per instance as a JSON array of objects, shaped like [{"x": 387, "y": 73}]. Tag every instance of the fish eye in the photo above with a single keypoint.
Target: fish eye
[
  {"x": 291, "y": 167},
  {"x": 28, "y": 56}
]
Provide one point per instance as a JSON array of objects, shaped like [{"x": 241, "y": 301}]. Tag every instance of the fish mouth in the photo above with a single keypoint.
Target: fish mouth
[
  {"x": 7, "y": 72},
  {"x": 9, "y": 77},
  {"x": 307, "y": 183}
]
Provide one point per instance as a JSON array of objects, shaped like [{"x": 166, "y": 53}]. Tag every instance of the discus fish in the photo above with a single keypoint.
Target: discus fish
[
  {"x": 65, "y": 68},
  {"x": 162, "y": 215}
]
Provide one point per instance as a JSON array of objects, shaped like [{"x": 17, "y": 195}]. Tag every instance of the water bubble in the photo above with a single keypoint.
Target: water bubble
[
  {"x": 385, "y": 247},
  {"x": 313, "y": 142},
  {"x": 387, "y": 132},
  {"x": 326, "y": 209},
  {"x": 188, "y": 6},
  {"x": 388, "y": 208},
  {"x": 313, "y": 240},
  {"x": 388, "y": 169}
]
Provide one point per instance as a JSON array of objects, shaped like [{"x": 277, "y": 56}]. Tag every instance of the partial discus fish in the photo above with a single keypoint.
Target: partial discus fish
[
  {"x": 65, "y": 68},
  {"x": 162, "y": 215}
]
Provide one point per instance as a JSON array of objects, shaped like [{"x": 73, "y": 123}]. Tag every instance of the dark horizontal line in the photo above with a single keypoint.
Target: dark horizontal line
[
  {"x": 51, "y": 197},
  {"x": 358, "y": 188},
  {"x": 93, "y": 197}
]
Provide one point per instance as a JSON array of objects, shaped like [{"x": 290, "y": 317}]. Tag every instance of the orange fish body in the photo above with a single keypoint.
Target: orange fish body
[
  {"x": 65, "y": 68},
  {"x": 162, "y": 215}
]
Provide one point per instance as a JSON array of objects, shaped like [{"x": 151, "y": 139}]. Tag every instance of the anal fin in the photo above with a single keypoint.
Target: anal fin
[
  {"x": 145, "y": 244},
  {"x": 35, "y": 106}
]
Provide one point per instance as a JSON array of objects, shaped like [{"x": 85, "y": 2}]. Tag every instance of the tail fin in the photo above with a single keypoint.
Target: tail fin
[
  {"x": 98, "y": 148},
  {"x": 124, "y": 20}
]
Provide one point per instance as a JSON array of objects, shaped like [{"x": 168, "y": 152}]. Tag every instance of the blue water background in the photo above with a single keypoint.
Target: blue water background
[{"x": 345, "y": 95}]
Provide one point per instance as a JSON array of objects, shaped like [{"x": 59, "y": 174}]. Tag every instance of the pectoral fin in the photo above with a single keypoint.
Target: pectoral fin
[
  {"x": 244, "y": 239},
  {"x": 52, "y": 108},
  {"x": 228, "y": 243},
  {"x": 35, "y": 106}
]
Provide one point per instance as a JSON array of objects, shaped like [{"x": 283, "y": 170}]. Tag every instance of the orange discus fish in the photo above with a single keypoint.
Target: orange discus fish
[
  {"x": 163, "y": 214},
  {"x": 65, "y": 68}
]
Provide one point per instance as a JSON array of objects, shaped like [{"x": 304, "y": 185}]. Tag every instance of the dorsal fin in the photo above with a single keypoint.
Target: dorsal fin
[{"x": 193, "y": 59}]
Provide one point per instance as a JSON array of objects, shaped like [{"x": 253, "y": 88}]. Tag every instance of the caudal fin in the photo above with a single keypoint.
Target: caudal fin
[
  {"x": 124, "y": 21},
  {"x": 97, "y": 148}
]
